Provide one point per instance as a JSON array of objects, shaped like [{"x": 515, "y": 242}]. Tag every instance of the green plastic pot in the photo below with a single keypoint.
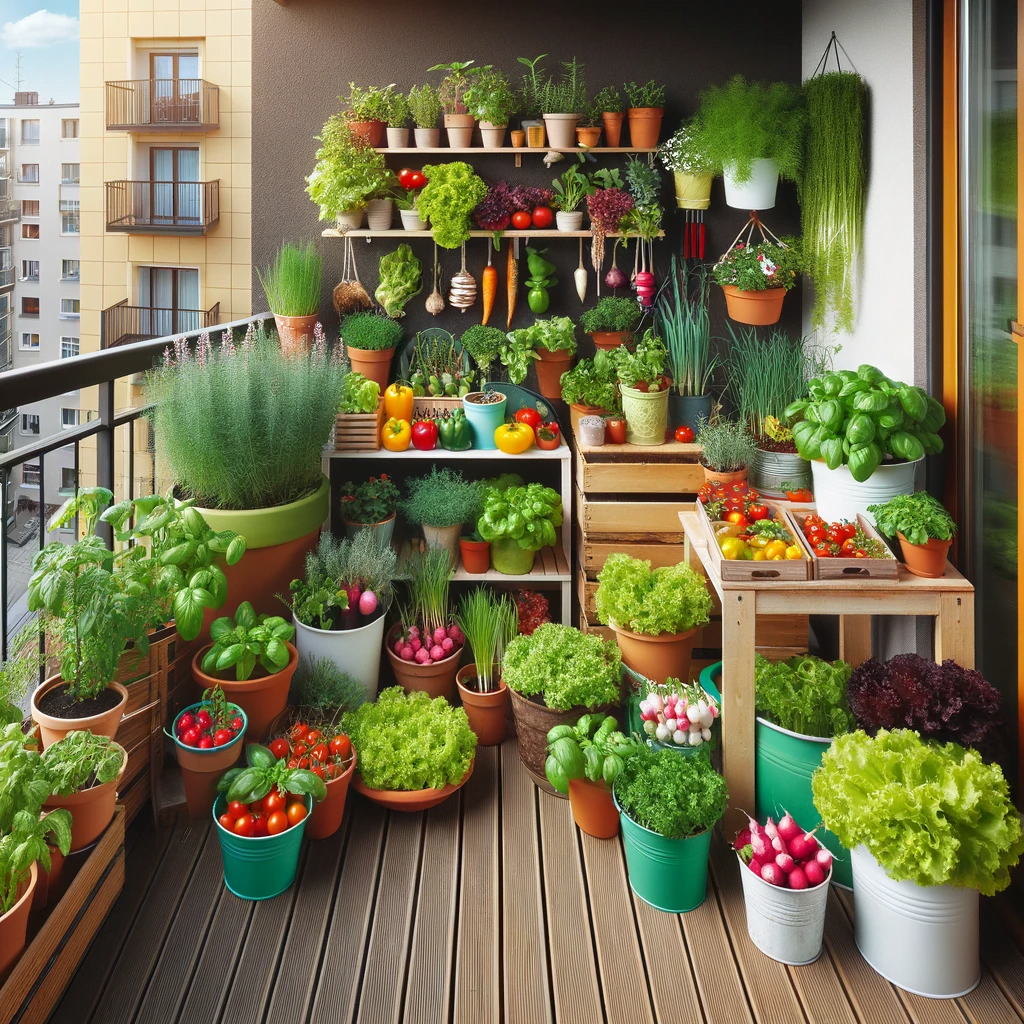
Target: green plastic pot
[
  {"x": 509, "y": 558},
  {"x": 669, "y": 874},
  {"x": 259, "y": 869}
]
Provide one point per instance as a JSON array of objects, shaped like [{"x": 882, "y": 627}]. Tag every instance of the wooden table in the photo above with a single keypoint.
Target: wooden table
[{"x": 950, "y": 601}]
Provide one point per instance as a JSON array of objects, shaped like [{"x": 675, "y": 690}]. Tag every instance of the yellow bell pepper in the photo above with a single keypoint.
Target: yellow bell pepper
[
  {"x": 513, "y": 438},
  {"x": 793, "y": 551},
  {"x": 396, "y": 434},
  {"x": 398, "y": 401}
]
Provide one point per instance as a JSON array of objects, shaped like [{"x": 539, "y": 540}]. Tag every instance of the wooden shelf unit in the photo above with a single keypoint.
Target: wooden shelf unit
[
  {"x": 527, "y": 233},
  {"x": 516, "y": 151}
]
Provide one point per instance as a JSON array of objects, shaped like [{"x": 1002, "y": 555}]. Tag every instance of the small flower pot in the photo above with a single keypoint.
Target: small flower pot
[
  {"x": 510, "y": 559},
  {"x": 593, "y": 808},
  {"x": 91, "y": 809},
  {"x": 756, "y": 308},
  {"x": 382, "y": 531},
  {"x": 372, "y": 131},
  {"x": 295, "y": 333},
  {"x": 14, "y": 924},
  {"x": 444, "y": 538},
  {"x": 460, "y": 130},
  {"x": 484, "y": 418},
  {"x": 590, "y": 430},
  {"x": 569, "y": 221},
  {"x": 656, "y": 657},
  {"x": 550, "y": 366},
  {"x": 53, "y": 728},
  {"x": 412, "y": 221},
  {"x": 561, "y": 129},
  {"x": 435, "y": 678},
  {"x": 928, "y": 560},
  {"x": 646, "y": 415},
  {"x": 588, "y": 137},
  {"x": 714, "y": 476},
  {"x": 609, "y": 340},
  {"x": 427, "y": 138},
  {"x": 373, "y": 364},
  {"x": 485, "y": 711},
  {"x": 398, "y": 138},
  {"x": 327, "y": 815},
  {"x": 492, "y": 135},
  {"x": 612, "y": 120},
  {"x": 645, "y": 126},
  {"x": 201, "y": 769},
  {"x": 518, "y": 136},
  {"x": 757, "y": 192},
  {"x": 693, "y": 191},
  {"x": 349, "y": 220},
  {"x": 379, "y": 213},
  {"x": 476, "y": 555},
  {"x": 536, "y": 136}
]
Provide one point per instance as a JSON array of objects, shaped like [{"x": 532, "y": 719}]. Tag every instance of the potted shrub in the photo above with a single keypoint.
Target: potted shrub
[
  {"x": 519, "y": 521},
  {"x": 924, "y": 527},
  {"x": 929, "y": 826},
  {"x": 646, "y": 108},
  {"x": 425, "y": 644},
  {"x": 448, "y": 199},
  {"x": 489, "y": 623},
  {"x": 691, "y": 167},
  {"x": 370, "y": 340},
  {"x": 591, "y": 387},
  {"x": 562, "y": 103},
  {"x": 555, "y": 675},
  {"x": 583, "y": 763},
  {"x": 754, "y": 133},
  {"x": 644, "y": 386},
  {"x": 668, "y": 806},
  {"x": 292, "y": 289},
  {"x": 571, "y": 189},
  {"x": 553, "y": 344},
  {"x": 261, "y": 815},
  {"x": 654, "y": 613},
  {"x": 367, "y": 111},
  {"x": 370, "y": 505},
  {"x": 532, "y": 92},
  {"x": 492, "y": 101},
  {"x": 726, "y": 451},
  {"x": 425, "y": 107},
  {"x": 441, "y": 503},
  {"x": 338, "y": 607},
  {"x": 801, "y": 705},
  {"x": 484, "y": 344},
  {"x": 398, "y": 116},
  {"x": 458, "y": 121},
  {"x": 257, "y": 650},
  {"x": 322, "y": 691},
  {"x": 612, "y": 321},
  {"x": 84, "y": 771},
  {"x": 888, "y": 427},
  {"x": 414, "y": 752},
  {"x": 613, "y": 112},
  {"x": 755, "y": 277},
  {"x": 213, "y": 409}
]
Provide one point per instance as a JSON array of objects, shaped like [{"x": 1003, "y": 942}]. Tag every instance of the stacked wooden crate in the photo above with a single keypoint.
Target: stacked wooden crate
[{"x": 628, "y": 498}]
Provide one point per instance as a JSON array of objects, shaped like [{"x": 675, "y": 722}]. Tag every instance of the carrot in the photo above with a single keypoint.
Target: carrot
[
  {"x": 512, "y": 283},
  {"x": 488, "y": 285}
]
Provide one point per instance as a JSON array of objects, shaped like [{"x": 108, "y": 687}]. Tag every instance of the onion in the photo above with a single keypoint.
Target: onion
[{"x": 615, "y": 278}]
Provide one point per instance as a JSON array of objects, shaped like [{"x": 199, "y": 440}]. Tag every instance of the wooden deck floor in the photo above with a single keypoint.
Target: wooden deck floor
[{"x": 492, "y": 907}]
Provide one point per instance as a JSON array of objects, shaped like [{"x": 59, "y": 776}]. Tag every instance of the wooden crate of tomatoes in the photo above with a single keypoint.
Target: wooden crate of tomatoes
[{"x": 848, "y": 549}]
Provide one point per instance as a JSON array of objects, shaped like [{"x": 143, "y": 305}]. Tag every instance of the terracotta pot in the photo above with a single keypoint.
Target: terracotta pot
[
  {"x": 295, "y": 333},
  {"x": 436, "y": 678},
  {"x": 518, "y": 136},
  {"x": 645, "y": 126},
  {"x": 476, "y": 555},
  {"x": 372, "y": 131},
  {"x": 756, "y": 308},
  {"x": 460, "y": 130},
  {"x": 485, "y": 711},
  {"x": 261, "y": 699},
  {"x": 326, "y": 817},
  {"x": 91, "y": 809},
  {"x": 373, "y": 365},
  {"x": 613, "y": 127},
  {"x": 550, "y": 366},
  {"x": 48, "y": 889},
  {"x": 410, "y": 799},
  {"x": 589, "y": 137},
  {"x": 427, "y": 138},
  {"x": 593, "y": 808},
  {"x": 611, "y": 339},
  {"x": 735, "y": 477},
  {"x": 14, "y": 924},
  {"x": 201, "y": 769},
  {"x": 492, "y": 135},
  {"x": 928, "y": 560},
  {"x": 53, "y": 729},
  {"x": 656, "y": 657}
]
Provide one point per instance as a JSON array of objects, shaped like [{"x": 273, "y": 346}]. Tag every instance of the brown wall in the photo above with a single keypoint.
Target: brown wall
[{"x": 304, "y": 55}]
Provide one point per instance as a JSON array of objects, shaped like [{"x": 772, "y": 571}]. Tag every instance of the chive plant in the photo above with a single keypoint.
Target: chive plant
[
  {"x": 292, "y": 283},
  {"x": 429, "y": 581},
  {"x": 765, "y": 375},
  {"x": 685, "y": 325},
  {"x": 489, "y": 623}
]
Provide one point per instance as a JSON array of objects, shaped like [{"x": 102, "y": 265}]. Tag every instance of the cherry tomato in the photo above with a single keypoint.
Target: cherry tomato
[
  {"x": 277, "y": 822},
  {"x": 320, "y": 752},
  {"x": 191, "y": 737},
  {"x": 849, "y": 547},
  {"x": 849, "y": 530},
  {"x": 816, "y": 535},
  {"x": 312, "y": 737},
  {"x": 297, "y": 731},
  {"x": 203, "y": 719},
  {"x": 296, "y": 812},
  {"x": 737, "y": 517},
  {"x": 245, "y": 825},
  {"x": 405, "y": 177},
  {"x": 303, "y": 762},
  {"x": 237, "y": 723},
  {"x": 226, "y": 821},
  {"x": 334, "y": 770},
  {"x": 758, "y": 511},
  {"x": 273, "y": 801},
  {"x": 417, "y": 179},
  {"x": 812, "y": 520},
  {"x": 542, "y": 216},
  {"x": 319, "y": 770},
  {"x": 616, "y": 429},
  {"x": 222, "y": 736},
  {"x": 684, "y": 434},
  {"x": 520, "y": 219},
  {"x": 299, "y": 749},
  {"x": 530, "y": 416},
  {"x": 259, "y": 826},
  {"x": 236, "y": 809},
  {"x": 205, "y": 742},
  {"x": 836, "y": 533},
  {"x": 341, "y": 746},
  {"x": 186, "y": 722},
  {"x": 279, "y": 748},
  {"x": 293, "y": 763}
]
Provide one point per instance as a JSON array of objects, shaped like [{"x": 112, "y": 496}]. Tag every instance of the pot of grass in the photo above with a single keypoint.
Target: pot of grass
[
  {"x": 727, "y": 451},
  {"x": 370, "y": 339},
  {"x": 924, "y": 528},
  {"x": 291, "y": 285},
  {"x": 489, "y": 623},
  {"x": 440, "y": 503}
]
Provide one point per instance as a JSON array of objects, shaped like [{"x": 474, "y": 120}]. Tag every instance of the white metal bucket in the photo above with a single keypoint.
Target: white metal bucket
[
  {"x": 838, "y": 496},
  {"x": 758, "y": 192},
  {"x": 922, "y": 938},
  {"x": 355, "y": 651},
  {"x": 785, "y": 924}
]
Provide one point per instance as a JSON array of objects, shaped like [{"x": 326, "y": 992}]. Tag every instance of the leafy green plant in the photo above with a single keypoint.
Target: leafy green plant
[
  {"x": 436, "y": 365},
  {"x": 929, "y": 813},
  {"x": 491, "y": 98},
  {"x": 399, "y": 112},
  {"x": 20, "y": 672},
  {"x": 401, "y": 277},
  {"x": 291, "y": 283},
  {"x": 677, "y": 797},
  {"x": 683, "y": 152},
  {"x": 429, "y": 582},
  {"x": 348, "y": 172},
  {"x": 533, "y": 85},
  {"x": 517, "y": 354},
  {"x": 455, "y": 85},
  {"x": 368, "y": 104},
  {"x": 358, "y": 395},
  {"x": 765, "y": 375},
  {"x": 857, "y": 418},
  {"x": 248, "y": 638},
  {"x": 370, "y": 331},
  {"x": 919, "y": 517},
  {"x": 81, "y": 760},
  {"x": 643, "y": 368},
  {"x": 444, "y": 497},
  {"x": 571, "y": 188},
  {"x": 609, "y": 100},
  {"x": 528, "y": 515},
  {"x": 24, "y": 783},
  {"x": 321, "y": 689},
  {"x": 681, "y": 314},
  {"x": 425, "y": 106},
  {"x": 804, "y": 694},
  {"x": 28, "y": 841},
  {"x": 370, "y": 501},
  {"x": 447, "y": 200},
  {"x": 489, "y": 623},
  {"x": 594, "y": 749},
  {"x": 727, "y": 447},
  {"x": 592, "y": 382},
  {"x": 566, "y": 94},
  {"x": 568, "y": 668},
  {"x": 263, "y": 773},
  {"x": 484, "y": 344},
  {"x": 741, "y": 122},
  {"x": 406, "y": 741},
  {"x": 758, "y": 266},
  {"x": 669, "y": 599},
  {"x": 555, "y": 335},
  {"x": 647, "y": 94},
  {"x": 612, "y": 313}
]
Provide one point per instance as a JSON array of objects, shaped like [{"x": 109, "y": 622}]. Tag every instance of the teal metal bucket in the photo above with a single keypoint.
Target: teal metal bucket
[
  {"x": 635, "y": 722},
  {"x": 484, "y": 420},
  {"x": 259, "y": 869}
]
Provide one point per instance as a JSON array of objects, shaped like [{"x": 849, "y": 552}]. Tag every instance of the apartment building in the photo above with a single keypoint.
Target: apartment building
[
  {"x": 39, "y": 276},
  {"x": 9, "y": 212}
]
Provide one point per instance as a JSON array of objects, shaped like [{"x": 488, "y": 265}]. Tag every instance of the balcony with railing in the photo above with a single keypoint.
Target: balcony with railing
[
  {"x": 162, "y": 104},
  {"x": 6, "y": 268},
  {"x": 162, "y": 207},
  {"x": 123, "y": 324}
]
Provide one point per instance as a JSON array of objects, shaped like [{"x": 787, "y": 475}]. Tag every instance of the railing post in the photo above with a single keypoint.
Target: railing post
[
  {"x": 5, "y": 477},
  {"x": 105, "y": 450}
]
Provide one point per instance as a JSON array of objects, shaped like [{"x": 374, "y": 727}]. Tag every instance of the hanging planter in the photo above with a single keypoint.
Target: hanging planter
[{"x": 757, "y": 192}]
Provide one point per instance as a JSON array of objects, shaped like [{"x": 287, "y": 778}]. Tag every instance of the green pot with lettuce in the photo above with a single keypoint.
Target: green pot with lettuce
[{"x": 519, "y": 521}]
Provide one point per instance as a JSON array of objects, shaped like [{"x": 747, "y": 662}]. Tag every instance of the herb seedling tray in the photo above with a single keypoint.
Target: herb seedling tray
[
  {"x": 359, "y": 431},
  {"x": 886, "y": 568}
]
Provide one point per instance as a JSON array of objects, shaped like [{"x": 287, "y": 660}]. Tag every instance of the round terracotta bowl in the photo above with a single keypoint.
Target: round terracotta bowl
[{"x": 410, "y": 799}]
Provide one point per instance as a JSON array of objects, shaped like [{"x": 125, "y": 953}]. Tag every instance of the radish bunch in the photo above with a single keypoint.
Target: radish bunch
[
  {"x": 784, "y": 854},
  {"x": 423, "y": 647},
  {"x": 683, "y": 719}
]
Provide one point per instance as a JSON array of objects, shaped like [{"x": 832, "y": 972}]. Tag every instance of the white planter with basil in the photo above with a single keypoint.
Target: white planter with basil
[{"x": 838, "y": 496}]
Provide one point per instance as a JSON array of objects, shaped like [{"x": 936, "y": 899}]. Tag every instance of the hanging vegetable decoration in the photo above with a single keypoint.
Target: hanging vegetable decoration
[
  {"x": 349, "y": 294},
  {"x": 462, "y": 290},
  {"x": 615, "y": 278},
  {"x": 540, "y": 280},
  {"x": 607, "y": 207},
  {"x": 580, "y": 277},
  {"x": 511, "y": 283},
  {"x": 435, "y": 300},
  {"x": 401, "y": 278},
  {"x": 489, "y": 284}
]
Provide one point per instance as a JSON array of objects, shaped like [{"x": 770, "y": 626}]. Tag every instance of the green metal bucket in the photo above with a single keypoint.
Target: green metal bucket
[
  {"x": 258, "y": 869},
  {"x": 669, "y": 874},
  {"x": 635, "y": 723}
]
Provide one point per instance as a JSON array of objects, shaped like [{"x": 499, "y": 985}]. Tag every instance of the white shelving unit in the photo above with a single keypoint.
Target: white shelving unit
[{"x": 526, "y": 233}]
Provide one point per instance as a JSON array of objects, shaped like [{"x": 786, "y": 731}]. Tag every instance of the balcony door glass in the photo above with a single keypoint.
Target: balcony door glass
[
  {"x": 175, "y": 90},
  {"x": 169, "y": 300},
  {"x": 174, "y": 177}
]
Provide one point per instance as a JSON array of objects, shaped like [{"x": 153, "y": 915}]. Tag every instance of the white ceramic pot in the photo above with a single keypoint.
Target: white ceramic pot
[
  {"x": 561, "y": 129},
  {"x": 355, "y": 651},
  {"x": 378, "y": 214},
  {"x": 492, "y": 135},
  {"x": 427, "y": 138},
  {"x": 757, "y": 193},
  {"x": 412, "y": 221},
  {"x": 922, "y": 938},
  {"x": 838, "y": 496},
  {"x": 398, "y": 138},
  {"x": 349, "y": 220},
  {"x": 569, "y": 221}
]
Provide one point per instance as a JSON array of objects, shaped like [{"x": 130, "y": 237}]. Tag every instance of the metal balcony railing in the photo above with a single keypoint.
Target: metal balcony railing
[
  {"x": 162, "y": 207},
  {"x": 6, "y": 269},
  {"x": 124, "y": 325},
  {"x": 162, "y": 104}
]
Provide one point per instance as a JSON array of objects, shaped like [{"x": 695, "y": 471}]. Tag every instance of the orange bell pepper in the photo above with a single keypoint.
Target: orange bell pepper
[
  {"x": 396, "y": 434},
  {"x": 398, "y": 401}
]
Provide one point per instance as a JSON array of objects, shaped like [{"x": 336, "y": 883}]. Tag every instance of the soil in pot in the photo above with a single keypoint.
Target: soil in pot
[
  {"x": 58, "y": 703},
  {"x": 485, "y": 711},
  {"x": 593, "y": 808},
  {"x": 57, "y": 713},
  {"x": 928, "y": 560}
]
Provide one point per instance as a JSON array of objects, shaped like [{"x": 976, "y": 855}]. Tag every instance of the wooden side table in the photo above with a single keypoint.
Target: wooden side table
[{"x": 950, "y": 601}]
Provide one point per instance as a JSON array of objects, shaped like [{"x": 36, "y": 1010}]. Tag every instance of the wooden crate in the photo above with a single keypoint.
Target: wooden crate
[
  {"x": 591, "y": 553},
  {"x": 53, "y": 954},
  {"x": 612, "y": 469},
  {"x": 429, "y": 407},
  {"x": 847, "y": 568},
  {"x": 357, "y": 431},
  {"x": 605, "y": 516}
]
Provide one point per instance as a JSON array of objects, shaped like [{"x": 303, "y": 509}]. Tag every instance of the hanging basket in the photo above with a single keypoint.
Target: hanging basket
[
  {"x": 759, "y": 307},
  {"x": 693, "y": 191}
]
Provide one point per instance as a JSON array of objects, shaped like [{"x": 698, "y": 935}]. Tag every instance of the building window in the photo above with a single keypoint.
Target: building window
[
  {"x": 29, "y": 306},
  {"x": 30, "y": 475},
  {"x": 29, "y": 423},
  {"x": 69, "y": 270},
  {"x": 68, "y": 477},
  {"x": 29, "y": 230},
  {"x": 68, "y": 347},
  {"x": 29, "y": 174},
  {"x": 69, "y": 217},
  {"x": 30, "y": 207},
  {"x": 29, "y": 133},
  {"x": 69, "y": 128},
  {"x": 70, "y": 307},
  {"x": 70, "y": 174},
  {"x": 70, "y": 417},
  {"x": 30, "y": 342},
  {"x": 30, "y": 270}
]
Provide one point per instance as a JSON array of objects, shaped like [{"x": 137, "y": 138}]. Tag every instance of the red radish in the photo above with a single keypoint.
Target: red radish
[
  {"x": 367, "y": 602},
  {"x": 448, "y": 645},
  {"x": 803, "y": 846},
  {"x": 785, "y": 862},
  {"x": 415, "y": 643},
  {"x": 398, "y": 646},
  {"x": 414, "y": 631},
  {"x": 755, "y": 866},
  {"x": 440, "y": 634},
  {"x": 778, "y": 845},
  {"x": 455, "y": 633},
  {"x": 815, "y": 872},
  {"x": 824, "y": 858},
  {"x": 422, "y": 656},
  {"x": 773, "y": 874},
  {"x": 788, "y": 828},
  {"x": 797, "y": 879},
  {"x": 437, "y": 652},
  {"x": 771, "y": 828},
  {"x": 407, "y": 653},
  {"x": 742, "y": 839},
  {"x": 759, "y": 842}
]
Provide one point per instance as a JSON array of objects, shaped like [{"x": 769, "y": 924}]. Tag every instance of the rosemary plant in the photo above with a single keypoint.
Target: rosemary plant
[
  {"x": 681, "y": 314},
  {"x": 489, "y": 623}
]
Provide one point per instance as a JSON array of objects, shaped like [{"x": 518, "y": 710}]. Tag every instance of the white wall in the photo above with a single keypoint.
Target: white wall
[{"x": 885, "y": 40}]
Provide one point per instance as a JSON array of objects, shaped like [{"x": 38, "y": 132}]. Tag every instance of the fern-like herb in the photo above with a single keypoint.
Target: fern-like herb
[
  {"x": 442, "y": 498},
  {"x": 323, "y": 690}
]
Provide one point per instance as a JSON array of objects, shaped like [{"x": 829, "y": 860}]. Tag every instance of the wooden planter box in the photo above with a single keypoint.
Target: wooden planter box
[
  {"x": 429, "y": 407},
  {"x": 359, "y": 432},
  {"x": 847, "y": 568}
]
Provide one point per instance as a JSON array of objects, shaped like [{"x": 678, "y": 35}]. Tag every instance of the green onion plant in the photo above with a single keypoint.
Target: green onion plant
[
  {"x": 292, "y": 282},
  {"x": 489, "y": 623},
  {"x": 681, "y": 314},
  {"x": 765, "y": 375}
]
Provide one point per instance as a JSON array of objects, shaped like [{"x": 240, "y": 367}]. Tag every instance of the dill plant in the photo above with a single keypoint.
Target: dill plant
[
  {"x": 442, "y": 498},
  {"x": 292, "y": 282}
]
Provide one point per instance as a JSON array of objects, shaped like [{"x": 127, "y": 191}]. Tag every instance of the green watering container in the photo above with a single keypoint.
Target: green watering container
[
  {"x": 257, "y": 869},
  {"x": 669, "y": 874}
]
